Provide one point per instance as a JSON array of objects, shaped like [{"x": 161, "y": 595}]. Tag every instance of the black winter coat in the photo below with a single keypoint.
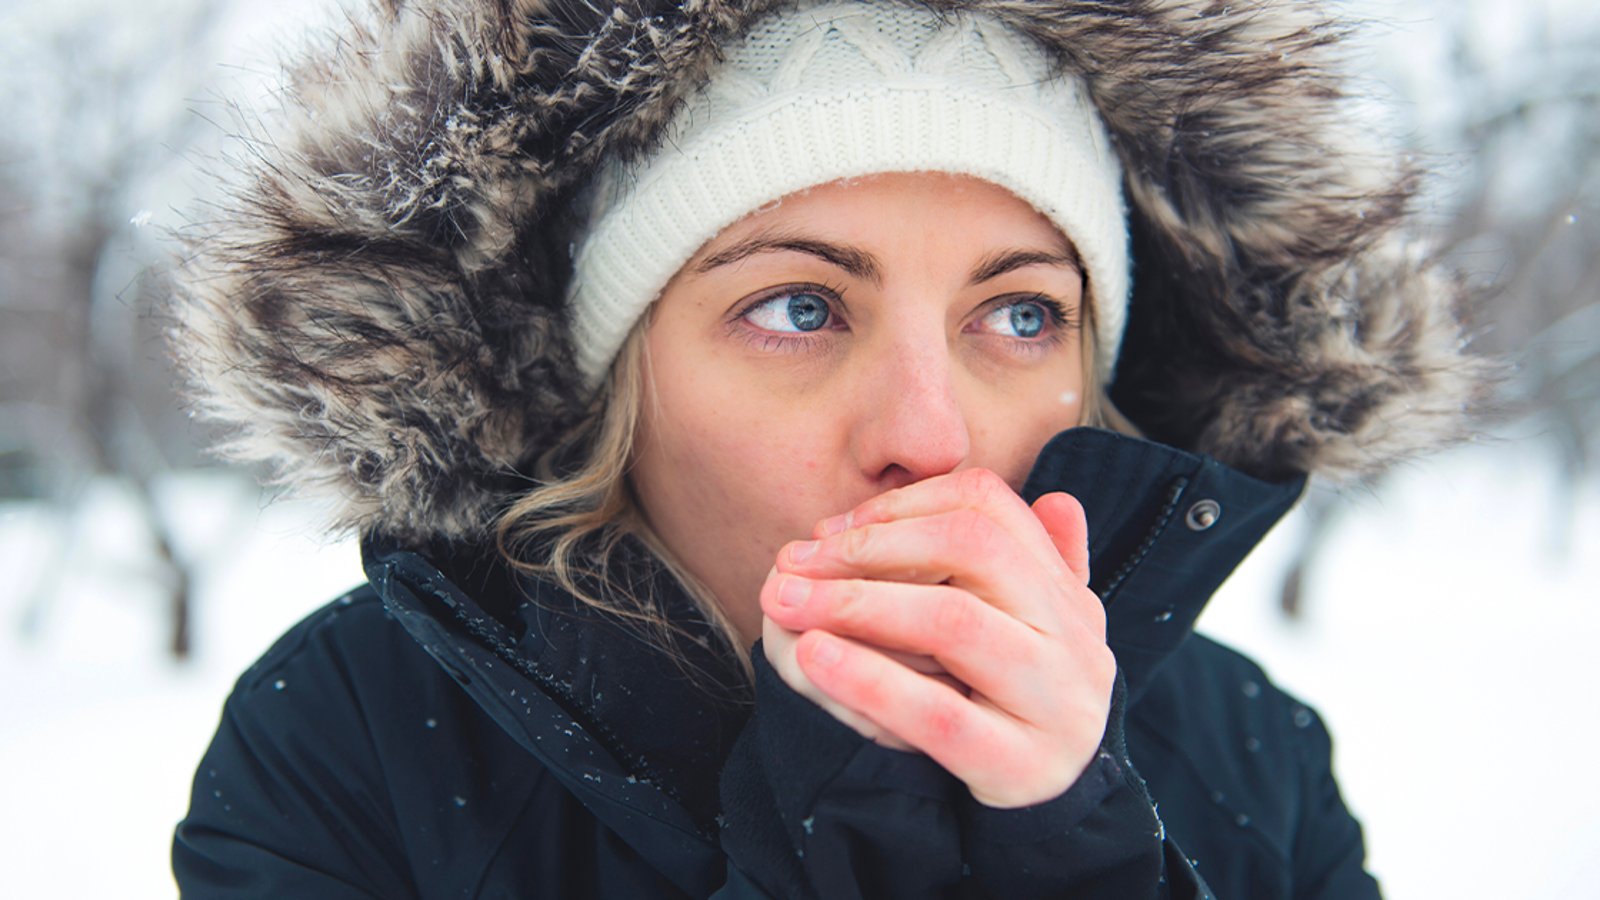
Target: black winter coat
[{"x": 429, "y": 737}]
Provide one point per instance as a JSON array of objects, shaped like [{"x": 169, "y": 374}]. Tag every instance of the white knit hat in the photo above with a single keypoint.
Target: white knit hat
[{"x": 829, "y": 91}]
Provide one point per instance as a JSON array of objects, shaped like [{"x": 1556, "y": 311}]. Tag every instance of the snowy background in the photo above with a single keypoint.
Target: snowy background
[{"x": 1447, "y": 614}]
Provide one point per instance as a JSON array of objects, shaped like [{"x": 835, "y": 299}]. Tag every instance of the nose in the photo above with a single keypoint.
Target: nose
[{"x": 910, "y": 425}]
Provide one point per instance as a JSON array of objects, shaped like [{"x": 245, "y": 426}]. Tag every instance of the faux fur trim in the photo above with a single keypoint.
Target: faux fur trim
[{"x": 377, "y": 314}]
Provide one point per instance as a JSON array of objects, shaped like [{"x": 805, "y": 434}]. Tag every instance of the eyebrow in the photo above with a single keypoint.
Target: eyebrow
[
  {"x": 997, "y": 264},
  {"x": 857, "y": 263},
  {"x": 863, "y": 265}
]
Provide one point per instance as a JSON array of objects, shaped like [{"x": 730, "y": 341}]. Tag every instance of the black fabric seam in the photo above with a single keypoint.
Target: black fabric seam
[
  {"x": 188, "y": 828},
  {"x": 489, "y": 860}
]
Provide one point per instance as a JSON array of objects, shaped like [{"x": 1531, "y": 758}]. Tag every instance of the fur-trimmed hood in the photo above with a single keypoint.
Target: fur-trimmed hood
[{"x": 377, "y": 313}]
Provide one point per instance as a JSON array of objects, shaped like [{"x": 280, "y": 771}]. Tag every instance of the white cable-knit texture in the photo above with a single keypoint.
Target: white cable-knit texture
[{"x": 844, "y": 90}]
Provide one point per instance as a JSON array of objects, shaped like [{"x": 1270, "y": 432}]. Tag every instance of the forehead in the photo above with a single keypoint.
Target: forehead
[{"x": 899, "y": 209}]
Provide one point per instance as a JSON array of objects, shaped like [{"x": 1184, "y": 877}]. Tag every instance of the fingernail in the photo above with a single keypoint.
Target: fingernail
[
  {"x": 836, "y": 525},
  {"x": 826, "y": 651},
  {"x": 793, "y": 592},
  {"x": 803, "y": 551}
]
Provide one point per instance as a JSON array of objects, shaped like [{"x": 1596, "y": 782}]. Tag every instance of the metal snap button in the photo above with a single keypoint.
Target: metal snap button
[{"x": 1203, "y": 515}]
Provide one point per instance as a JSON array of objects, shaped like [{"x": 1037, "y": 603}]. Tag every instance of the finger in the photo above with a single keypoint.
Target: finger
[
  {"x": 984, "y": 648},
  {"x": 1005, "y": 763},
  {"x": 962, "y": 736},
  {"x": 963, "y": 547},
  {"x": 927, "y": 665},
  {"x": 778, "y": 644},
  {"x": 978, "y": 489},
  {"x": 1064, "y": 521}
]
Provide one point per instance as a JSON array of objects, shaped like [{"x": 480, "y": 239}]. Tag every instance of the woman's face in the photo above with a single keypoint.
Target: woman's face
[{"x": 851, "y": 339}]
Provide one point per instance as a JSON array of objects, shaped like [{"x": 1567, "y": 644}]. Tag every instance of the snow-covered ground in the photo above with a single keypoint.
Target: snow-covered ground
[
  {"x": 1448, "y": 643},
  {"x": 99, "y": 729}
]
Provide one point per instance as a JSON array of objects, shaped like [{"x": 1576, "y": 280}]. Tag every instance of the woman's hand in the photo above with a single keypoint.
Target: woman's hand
[{"x": 949, "y": 617}]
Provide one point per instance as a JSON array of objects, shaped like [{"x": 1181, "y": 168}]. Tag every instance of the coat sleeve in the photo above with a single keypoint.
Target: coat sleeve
[
  {"x": 811, "y": 809},
  {"x": 283, "y": 802},
  {"x": 1102, "y": 838}
]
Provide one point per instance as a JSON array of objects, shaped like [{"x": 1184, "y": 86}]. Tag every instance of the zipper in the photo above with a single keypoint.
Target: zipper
[{"x": 1174, "y": 494}]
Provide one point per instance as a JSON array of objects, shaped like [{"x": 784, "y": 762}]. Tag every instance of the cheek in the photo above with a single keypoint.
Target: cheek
[
  {"x": 718, "y": 465},
  {"x": 1010, "y": 427}
]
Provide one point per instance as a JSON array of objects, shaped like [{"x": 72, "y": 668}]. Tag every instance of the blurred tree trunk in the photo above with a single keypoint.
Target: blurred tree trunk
[{"x": 92, "y": 117}]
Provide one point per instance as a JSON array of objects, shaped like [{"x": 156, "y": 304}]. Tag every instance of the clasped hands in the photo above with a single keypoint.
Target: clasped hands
[{"x": 949, "y": 617}]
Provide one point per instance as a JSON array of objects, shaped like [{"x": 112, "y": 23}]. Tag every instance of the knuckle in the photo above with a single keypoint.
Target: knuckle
[
  {"x": 1033, "y": 653},
  {"x": 957, "y": 619},
  {"x": 1082, "y": 608},
  {"x": 870, "y": 694},
  {"x": 840, "y": 600},
  {"x": 855, "y": 545},
  {"x": 945, "y": 722},
  {"x": 978, "y": 487},
  {"x": 967, "y": 529}
]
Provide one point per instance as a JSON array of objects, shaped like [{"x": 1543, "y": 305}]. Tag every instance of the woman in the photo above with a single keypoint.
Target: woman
[{"x": 629, "y": 336}]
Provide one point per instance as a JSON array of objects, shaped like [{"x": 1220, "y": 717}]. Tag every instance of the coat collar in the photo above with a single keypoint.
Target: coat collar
[
  {"x": 636, "y": 736},
  {"x": 1166, "y": 528}
]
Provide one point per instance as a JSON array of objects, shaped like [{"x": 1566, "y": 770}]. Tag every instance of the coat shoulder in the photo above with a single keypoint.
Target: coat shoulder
[
  {"x": 347, "y": 624},
  {"x": 346, "y": 756}
]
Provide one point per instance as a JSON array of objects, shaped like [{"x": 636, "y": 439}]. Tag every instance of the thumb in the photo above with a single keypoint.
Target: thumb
[{"x": 1063, "y": 519}]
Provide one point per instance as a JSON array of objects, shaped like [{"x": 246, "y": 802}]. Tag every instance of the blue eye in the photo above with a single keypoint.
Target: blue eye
[
  {"x": 1023, "y": 319},
  {"x": 796, "y": 311}
]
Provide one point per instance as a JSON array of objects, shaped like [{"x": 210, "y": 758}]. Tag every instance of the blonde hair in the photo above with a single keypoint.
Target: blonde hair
[{"x": 570, "y": 528}]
